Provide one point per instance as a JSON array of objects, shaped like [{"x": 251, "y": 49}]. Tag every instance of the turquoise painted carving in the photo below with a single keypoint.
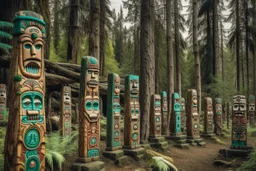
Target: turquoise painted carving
[
  {"x": 218, "y": 117},
  {"x": 89, "y": 111},
  {"x": 113, "y": 113},
  {"x": 239, "y": 123},
  {"x": 155, "y": 116},
  {"x": 32, "y": 161},
  {"x": 32, "y": 103},
  {"x": 32, "y": 139},
  {"x": 131, "y": 112},
  {"x": 176, "y": 117},
  {"x": 164, "y": 112}
]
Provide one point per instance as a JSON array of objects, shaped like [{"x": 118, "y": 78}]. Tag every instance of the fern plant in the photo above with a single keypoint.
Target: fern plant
[
  {"x": 3, "y": 35},
  {"x": 57, "y": 147}
]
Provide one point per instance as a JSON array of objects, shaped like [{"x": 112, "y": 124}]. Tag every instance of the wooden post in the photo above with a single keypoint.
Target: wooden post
[
  {"x": 89, "y": 113},
  {"x": 208, "y": 117},
  {"x": 3, "y": 112},
  {"x": 131, "y": 113},
  {"x": 251, "y": 110},
  {"x": 183, "y": 115},
  {"x": 25, "y": 135},
  {"x": 66, "y": 108},
  {"x": 193, "y": 126},
  {"x": 164, "y": 112},
  {"x": 155, "y": 116},
  {"x": 113, "y": 113},
  {"x": 228, "y": 113},
  {"x": 239, "y": 123},
  {"x": 175, "y": 118},
  {"x": 218, "y": 116}
]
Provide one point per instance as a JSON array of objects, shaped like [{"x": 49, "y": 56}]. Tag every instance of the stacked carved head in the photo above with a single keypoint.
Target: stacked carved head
[
  {"x": 30, "y": 28},
  {"x": 90, "y": 72},
  {"x": 116, "y": 93},
  {"x": 182, "y": 105},
  {"x": 218, "y": 106},
  {"x": 239, "y": 105},
  {"x": 2, "y": 94},
  {"x": 251, "y": 103},
  {"x": 176, "y": 102}
]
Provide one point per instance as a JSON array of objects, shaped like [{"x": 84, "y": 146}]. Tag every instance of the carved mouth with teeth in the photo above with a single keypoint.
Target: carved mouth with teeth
[
  {"x": 92, "y": 83},
  {"x": 33, "y": 115},
  {"x": 32, "y": 68}
]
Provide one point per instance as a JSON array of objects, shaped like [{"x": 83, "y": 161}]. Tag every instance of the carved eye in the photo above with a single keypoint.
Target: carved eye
[
  {"x": 96, "y": 72},
  {"x": 27, "y": 102},
  {"x": 27, "y": 46},
  {"x": 137, "y": 111},
  {"x": 132, "y": 111},
  {"x": 37, "y": 102},
  {"x": 89, "y": 71},
  {"x": 96, "y": 105},
  {"x": 38, "y": 46},
  {"x": 88, "y": 105}
]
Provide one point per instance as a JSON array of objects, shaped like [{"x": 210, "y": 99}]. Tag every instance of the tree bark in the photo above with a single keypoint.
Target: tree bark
[
  {"x": 56, "y": 26},
  {"x": 177, "y": 57},
  {"x": 196, "y": 56},
  {"x": 237, "y": 47},
  {"x": 247, "y": 48},
  {"x": 73, "y": 32},
  {"x": 94, "y": 29},
  {"x": 102, "y": 35},
  {"x": 215, "y": 39},
  {"x": 147, "y": 64},
  {"x": 170, "y": 68}
]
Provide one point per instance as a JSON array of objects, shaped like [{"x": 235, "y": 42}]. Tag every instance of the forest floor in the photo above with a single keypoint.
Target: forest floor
[{"x": 192, "y": 159}]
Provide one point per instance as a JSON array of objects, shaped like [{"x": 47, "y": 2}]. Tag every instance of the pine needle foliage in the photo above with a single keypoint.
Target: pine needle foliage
[
  {"x": 250, "y": 164},
  {"x": 5, "y": 36}
]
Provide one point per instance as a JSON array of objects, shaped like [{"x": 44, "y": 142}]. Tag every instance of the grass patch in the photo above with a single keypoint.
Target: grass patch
[{"x": 250, "y": 164}]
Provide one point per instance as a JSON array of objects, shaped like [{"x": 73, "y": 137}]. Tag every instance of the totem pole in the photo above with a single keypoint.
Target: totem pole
[
  {"x": 89, "y": 114},
  {"x": 113, "y": 113},
  {"x": 193, "y": 119},
  {"x": 3, "y": 111},
  {"x": 25, "y": 135},
  {"x": 66, "y": 111},
  {"x": 252, "y": 110},
  {"x": 218, "y": 117},
  {"x": 239, "y": 123},
  {"x": 183, "y": 115},
  {"x": 208, "y": 117},
  {"x": 175, "y": 119},
  {"x": 164, "y": 112},
  {"x": 155, "y": 116},
  {"x": 155, "y": 138},
  {"x": 132, "y": 113}
]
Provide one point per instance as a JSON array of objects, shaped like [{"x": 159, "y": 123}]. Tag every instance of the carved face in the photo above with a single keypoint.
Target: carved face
[
  {"x": 218, "y": 109},
  {"x": 135, "y": 109},
  {"x": 32, "y": 105},
  {"x": 117, "y": 85},
  {"x": 182, "y": 104},
  {"x": 92, "y": 107},
  {"x": 92, "y": 77},
  {"x": 157, "y": 104},
  {"x": 31, "y": 53},
  {"x": 134, "y": 86},
  {"x": 66, "y": 98},
  {"x": 176, "y": 102},
  {"x": 239, "y": 104},
  {"x": 194, "y": 100},
  {"x": 116, "y": 109},
  {"x": 3, "y": 93},
  {"x": 251, "y": 107}
]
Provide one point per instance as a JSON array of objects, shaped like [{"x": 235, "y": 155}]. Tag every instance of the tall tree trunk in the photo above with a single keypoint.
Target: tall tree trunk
[
  {"x": 222, "y": 60},
  {"x": 73, "y": 32},
  {"x": 157, "y": 55},
  {"x": 42, "y": 7},
  {"x": 170, "y": 69},
  {"x": 56, "y": 26},
  {"x": 177, "y": 57},
  {"x": 247, "y": 48},
  {"x": 94, "y": 29},
  {"x": 147, "y": 64},
  {"x": 196, "y": 55},
  {"x": 237, "y": 47},
  {"x": 215, "y": 35},
  {"x": 102, "y": 35}
]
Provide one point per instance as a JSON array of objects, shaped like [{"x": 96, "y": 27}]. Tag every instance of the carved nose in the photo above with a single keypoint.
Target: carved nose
[
  {"x": 33, "y": 51},
  {"x": 93, "y": 75}
]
